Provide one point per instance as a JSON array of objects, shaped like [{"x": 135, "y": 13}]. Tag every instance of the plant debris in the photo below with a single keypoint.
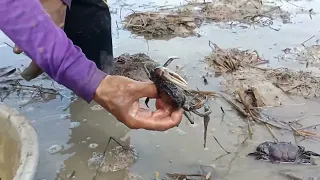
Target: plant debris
[
  {"x": 158, "y": 25},
  {"x": 230, "y": 60},
  {"x": 310, "y": 56},
  {"x": 183, "y": 20},
  {"x": 253, "y": 88},
  {"x": 205, "y": 173},
  {"x": 11, "y": 84}
]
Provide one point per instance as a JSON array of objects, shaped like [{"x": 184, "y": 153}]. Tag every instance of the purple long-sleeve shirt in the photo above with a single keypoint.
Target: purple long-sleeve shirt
[{"x": 28, "y": 25}]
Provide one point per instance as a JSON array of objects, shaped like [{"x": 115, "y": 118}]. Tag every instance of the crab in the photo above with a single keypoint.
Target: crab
[
  {"x": 172, "y": 88},
  {"x": 277, "y": 152}
]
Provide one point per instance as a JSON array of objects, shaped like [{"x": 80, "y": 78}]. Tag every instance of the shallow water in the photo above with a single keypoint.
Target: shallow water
[
  {"x": 179, "y": 149},
  {"x": 9, "y": 151}
]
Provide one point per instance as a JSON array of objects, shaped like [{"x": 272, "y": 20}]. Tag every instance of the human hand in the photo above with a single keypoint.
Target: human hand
[{"x": 120, "y": 96}]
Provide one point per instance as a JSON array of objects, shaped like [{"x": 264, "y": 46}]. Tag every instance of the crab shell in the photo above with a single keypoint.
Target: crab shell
[
  {"x": 170, "y": 86},
  {"x": 282, "y": 151}
]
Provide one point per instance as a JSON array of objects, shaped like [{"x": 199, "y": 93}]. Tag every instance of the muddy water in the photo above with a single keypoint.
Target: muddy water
[
  {"x": 75, "y": 127},
  {"x": 9, "y": 151}
]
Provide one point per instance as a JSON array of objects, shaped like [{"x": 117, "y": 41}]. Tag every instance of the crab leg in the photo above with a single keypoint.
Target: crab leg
[
  {"x": 199, "y": 105},
  {"x": 188, "y": 117},
  {"x": 174, "y": 78},
  {"x": 146, "y": 70},
  {"x": 207, "y": 113},
  {"x": 147, "y": 101},
  {"x": 169, "y": 61}
]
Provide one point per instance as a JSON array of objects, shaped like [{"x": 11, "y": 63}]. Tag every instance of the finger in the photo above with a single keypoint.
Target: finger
[
  {"x": 146, "y": 114},
  {"x": 176, "y": 116},
  {"x": 17, "y": 50},
  {"x": 145, "y": 89},
  {"x": 160, "y": 104},
  {"x": 161, "y": 124}
]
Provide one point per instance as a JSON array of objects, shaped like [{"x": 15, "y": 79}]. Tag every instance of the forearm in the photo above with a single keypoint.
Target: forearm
[{"x": 30, "y": 27}]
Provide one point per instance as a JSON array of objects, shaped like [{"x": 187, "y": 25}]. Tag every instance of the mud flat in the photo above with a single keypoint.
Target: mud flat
[{"x": 182, "y": 21}]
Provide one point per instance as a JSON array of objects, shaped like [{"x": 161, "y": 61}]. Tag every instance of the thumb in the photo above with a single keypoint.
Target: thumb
[{"x": 146, "y": 89}]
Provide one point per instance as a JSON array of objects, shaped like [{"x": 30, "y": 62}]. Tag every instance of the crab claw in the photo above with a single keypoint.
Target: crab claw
[{"x": 173, "y": 77}]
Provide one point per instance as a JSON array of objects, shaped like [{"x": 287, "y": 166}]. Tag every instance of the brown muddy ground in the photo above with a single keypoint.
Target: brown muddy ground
[
  {"x": 131, "y": 65},
  {"x": 182, "y": 21}
]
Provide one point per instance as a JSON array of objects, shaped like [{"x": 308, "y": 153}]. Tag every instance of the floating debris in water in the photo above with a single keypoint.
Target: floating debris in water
[
  {"x": 74, "y": 124},
  {"x": 54, "y": 149},
  {"x": 180, "y": 131},
  {"x": 93, "y": 145},
  {"x": 96, "y": 107}
]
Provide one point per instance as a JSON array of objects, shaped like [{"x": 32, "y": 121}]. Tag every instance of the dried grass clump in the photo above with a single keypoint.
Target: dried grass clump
[{"x": 230, "y": 60}]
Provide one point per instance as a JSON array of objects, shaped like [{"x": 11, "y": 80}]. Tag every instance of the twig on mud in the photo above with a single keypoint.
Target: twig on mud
[
  {"x": 72, "y": 174},
  {"x": 234, "y": 157},
  {"x": 250, "y": 132},
  {"x": 307, "y": 40},
  {"x": 234, "y": 105},
  {"x": 8, "y": 73},
  {"x": 222, "y": 110},
  {"x": 315, "y": 125},
  {"x": 206, "y": 120},
  {"x": 270, "y": 130},
  {"x": 302, "y": 133},
  {"x": 104, "y": 155},
  {"x": 220, "y": 144},
  {"x": 310, "y": 12},
  {"x": 290, "y": 176},
  {"x": 182, "y": 175}
]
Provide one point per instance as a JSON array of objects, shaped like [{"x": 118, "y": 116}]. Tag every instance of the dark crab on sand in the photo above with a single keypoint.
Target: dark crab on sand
[
  {"x": 172, "y": 88},
  {"x": 277, "y": 152}
]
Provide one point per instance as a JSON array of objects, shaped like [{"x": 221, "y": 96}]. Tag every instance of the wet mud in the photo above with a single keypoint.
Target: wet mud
[
  {"x": 271, "y": 98},
  {"x": 131, "y": 65}
]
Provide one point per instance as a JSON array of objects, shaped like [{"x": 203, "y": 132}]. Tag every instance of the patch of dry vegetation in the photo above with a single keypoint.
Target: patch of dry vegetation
[
  {"x": 240, "y": 68},
  {"x": 185, "y": 19}
]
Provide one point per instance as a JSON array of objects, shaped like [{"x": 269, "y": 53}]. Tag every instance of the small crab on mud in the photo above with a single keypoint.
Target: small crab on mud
[
  {"x": 172, "y": 88},
  {"x": 277, "y": 152}
]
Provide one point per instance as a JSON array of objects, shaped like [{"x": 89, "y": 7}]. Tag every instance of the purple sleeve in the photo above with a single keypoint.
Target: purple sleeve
[{"x": 27, "y": 24}]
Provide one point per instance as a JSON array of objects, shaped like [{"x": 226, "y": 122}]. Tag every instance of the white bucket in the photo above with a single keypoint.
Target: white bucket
[{"x": 28, "y": 140}]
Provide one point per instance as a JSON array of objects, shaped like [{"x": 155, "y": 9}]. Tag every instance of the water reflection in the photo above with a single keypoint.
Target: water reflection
[
  {"x": 92, "y": 127},
  {"x": 9, "y": 151}
]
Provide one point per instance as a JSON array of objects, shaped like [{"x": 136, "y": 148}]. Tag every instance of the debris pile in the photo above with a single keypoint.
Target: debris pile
[
  {"x": 131, "y": 66},
  {"x": 230, "y": 60},
  {"x": 248, "y": 12},
  {"x": 159, "y": 25},
  {"x": 11, "y": 85},
  {"x": 183, "y": 20},
  {"x": 240, "y": 69},
  {"x": 253, "y": 88},
  {"x": 310, "y": 56},
  {"x": 295, "y": 82}
]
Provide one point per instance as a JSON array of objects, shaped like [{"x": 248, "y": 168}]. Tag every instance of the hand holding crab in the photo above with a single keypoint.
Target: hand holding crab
[
  {"x": 172, "y": 89},
  {"x": 120, "y": 96}
]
